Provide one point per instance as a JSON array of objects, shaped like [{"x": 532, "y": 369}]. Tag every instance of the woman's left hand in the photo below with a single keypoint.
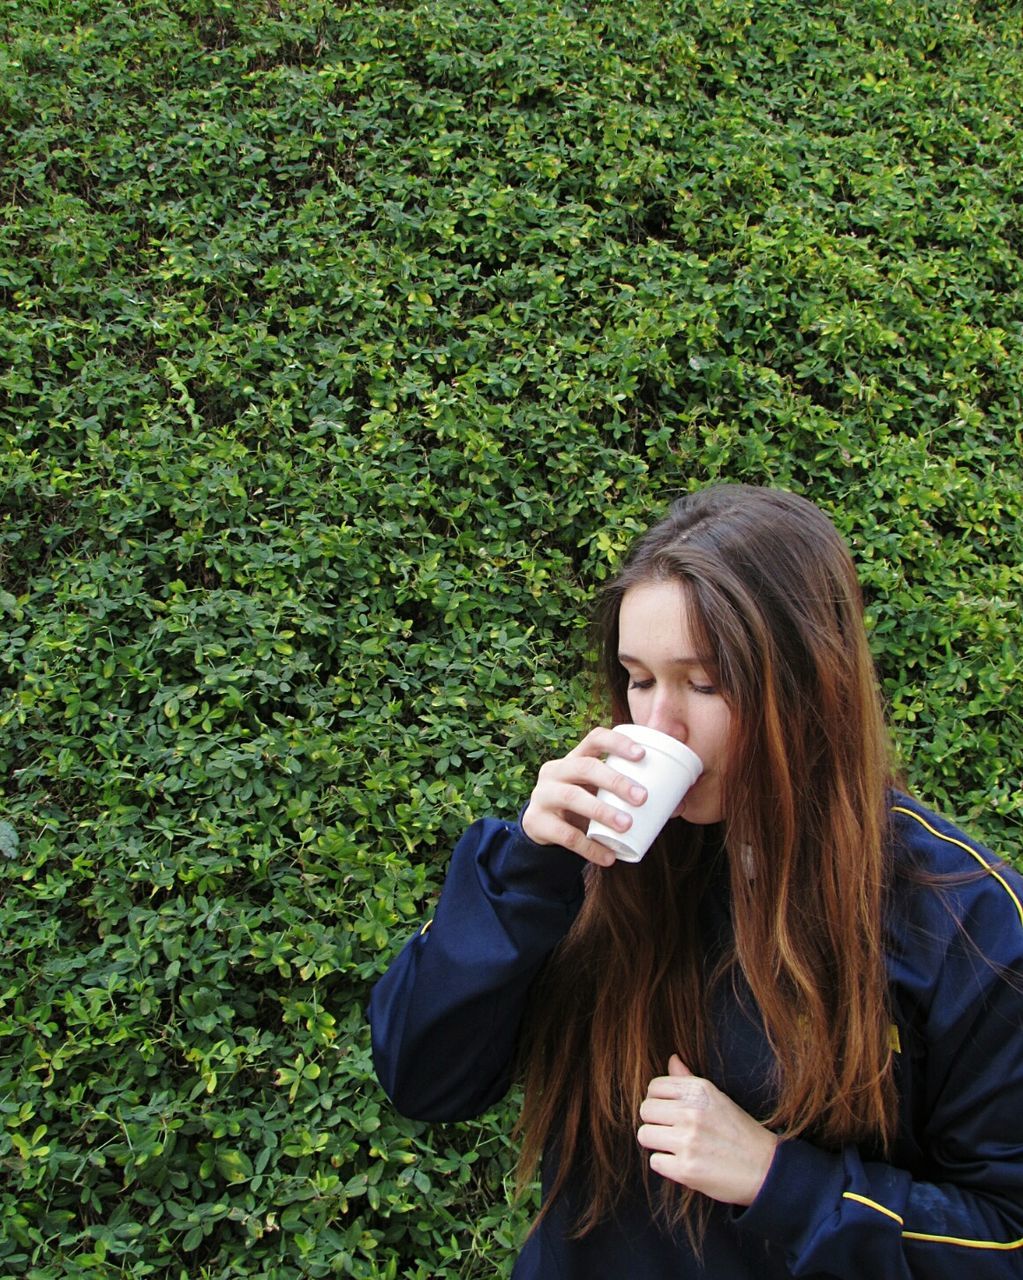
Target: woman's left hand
[{"x": 701, "y": 1139}]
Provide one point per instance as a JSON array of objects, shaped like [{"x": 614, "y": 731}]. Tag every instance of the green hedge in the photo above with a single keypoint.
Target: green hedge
[{"x": 344, "y": 348}]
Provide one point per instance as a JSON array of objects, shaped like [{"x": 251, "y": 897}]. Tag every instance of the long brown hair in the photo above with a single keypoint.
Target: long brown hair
[{"x": 773, "y": 596}]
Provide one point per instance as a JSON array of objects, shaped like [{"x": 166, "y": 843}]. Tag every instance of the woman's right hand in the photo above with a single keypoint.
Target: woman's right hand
[{"x": 565, "y": 796}]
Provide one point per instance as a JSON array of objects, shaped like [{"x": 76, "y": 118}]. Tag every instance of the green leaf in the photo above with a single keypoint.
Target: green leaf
[{"x": 8, "y": 840}]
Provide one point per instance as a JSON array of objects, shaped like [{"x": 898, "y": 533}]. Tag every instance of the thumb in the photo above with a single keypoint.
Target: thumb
[{"x": 676, "y": 1067}]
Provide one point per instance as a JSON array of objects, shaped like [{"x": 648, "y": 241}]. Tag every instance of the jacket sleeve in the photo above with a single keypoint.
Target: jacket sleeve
[
  {"x": 445, "y": 1017},
  {"x": 960, "y": 1210}
]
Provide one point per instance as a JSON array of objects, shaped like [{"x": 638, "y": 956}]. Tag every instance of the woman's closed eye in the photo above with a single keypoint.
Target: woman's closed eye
[{"x": 709, "y": 690}]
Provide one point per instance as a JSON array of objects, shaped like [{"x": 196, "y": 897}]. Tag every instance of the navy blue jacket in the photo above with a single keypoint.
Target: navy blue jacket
[{"x": 945, "y": 1204}]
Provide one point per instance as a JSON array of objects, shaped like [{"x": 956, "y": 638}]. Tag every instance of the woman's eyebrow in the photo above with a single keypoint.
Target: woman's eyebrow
[{"x": 693, "y": 660}]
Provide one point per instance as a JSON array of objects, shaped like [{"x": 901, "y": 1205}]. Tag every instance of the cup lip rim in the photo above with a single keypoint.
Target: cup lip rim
[{"x": 662, "y": 742}]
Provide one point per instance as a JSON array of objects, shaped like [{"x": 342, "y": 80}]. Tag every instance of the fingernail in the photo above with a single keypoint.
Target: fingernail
[
  {"x": 622, "y": 821},
  {"x": 638, "y": 794}
]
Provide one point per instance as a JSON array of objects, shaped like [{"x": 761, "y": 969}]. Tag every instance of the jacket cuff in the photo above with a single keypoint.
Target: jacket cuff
[
  {"x": 536, "y": 870},
  {"x": 801, "y": 1178}
]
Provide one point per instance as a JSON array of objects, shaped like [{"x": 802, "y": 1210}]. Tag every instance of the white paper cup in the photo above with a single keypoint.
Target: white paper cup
[{"x": 668, "y": 769}]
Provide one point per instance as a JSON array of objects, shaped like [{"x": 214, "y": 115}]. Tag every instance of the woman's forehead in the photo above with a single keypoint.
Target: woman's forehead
[{"x": 655, "y": 621}]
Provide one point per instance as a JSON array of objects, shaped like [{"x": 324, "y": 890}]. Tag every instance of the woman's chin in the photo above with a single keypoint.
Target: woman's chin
[{"x": 693, "y": 811}]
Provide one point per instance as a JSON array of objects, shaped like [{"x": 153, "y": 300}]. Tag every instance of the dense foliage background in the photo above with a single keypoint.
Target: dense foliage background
[{"x": 344, "y": 348}]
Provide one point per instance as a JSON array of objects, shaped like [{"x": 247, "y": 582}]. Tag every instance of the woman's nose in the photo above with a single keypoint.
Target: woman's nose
[{"x": 667, "y": 719}]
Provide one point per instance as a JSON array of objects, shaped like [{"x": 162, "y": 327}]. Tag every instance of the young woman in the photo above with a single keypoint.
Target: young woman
[{"x": 789, "y": 1042}]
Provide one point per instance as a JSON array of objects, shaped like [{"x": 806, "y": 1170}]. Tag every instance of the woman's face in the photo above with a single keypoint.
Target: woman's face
[{"x": 671, "y": 687}]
